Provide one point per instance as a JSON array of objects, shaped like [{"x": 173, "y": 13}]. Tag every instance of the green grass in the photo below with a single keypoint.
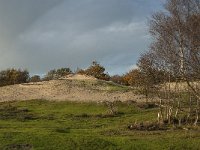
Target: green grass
[
  {"x": 45, "y": 125},
  {"x": 100, "y": 85}
]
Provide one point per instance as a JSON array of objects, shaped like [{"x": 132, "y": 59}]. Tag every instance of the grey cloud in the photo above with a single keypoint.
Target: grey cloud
[
  {"x": 75, "y": 32},
  {"x": 17, "y": 15}
]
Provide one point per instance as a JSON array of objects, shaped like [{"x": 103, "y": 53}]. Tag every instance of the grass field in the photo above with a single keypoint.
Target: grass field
[{"x": 45, "y": 125}]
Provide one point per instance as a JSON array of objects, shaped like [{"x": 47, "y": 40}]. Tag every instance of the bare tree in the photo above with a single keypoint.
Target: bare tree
[{"x": 176, "y": 51}]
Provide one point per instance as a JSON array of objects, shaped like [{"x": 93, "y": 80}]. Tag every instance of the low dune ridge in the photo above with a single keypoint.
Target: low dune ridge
[
  {"x": 73, "y": 88},
  {"x": 79, "y": 77}
]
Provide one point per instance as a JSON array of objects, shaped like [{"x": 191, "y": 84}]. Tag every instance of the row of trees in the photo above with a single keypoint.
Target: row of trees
[
  {"x": 13, "y": 76},
  {"x": 132, "y": 78},
  {"x": 95, "y": 69},
  {"x": 17, "y": 76}
]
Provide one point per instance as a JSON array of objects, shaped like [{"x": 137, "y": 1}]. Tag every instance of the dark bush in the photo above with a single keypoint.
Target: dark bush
[{"x": 147, "y": 126}]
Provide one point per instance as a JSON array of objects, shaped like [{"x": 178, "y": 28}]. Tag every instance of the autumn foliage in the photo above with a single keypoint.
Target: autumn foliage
[
  {"x": 96, "y": 70},
  {"x": 13, "y": 76}
]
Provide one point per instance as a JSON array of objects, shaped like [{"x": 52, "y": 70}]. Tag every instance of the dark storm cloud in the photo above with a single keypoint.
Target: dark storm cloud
[{"x": 41, "y": 35}]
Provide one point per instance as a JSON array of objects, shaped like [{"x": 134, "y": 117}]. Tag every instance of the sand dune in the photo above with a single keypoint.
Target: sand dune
[{"x": 73, "y": 88}]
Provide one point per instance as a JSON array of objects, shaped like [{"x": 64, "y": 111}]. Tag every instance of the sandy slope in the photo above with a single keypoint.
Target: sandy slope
[
  {"x": 180, "y": 86},
  {"x": 68, "y": 89}
]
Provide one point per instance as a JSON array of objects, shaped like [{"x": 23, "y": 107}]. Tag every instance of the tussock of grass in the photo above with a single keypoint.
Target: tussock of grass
[{"x": 12, "y": 112}]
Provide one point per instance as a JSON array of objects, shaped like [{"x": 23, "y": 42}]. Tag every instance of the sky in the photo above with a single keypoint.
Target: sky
[{"x": 40, "y": 35}]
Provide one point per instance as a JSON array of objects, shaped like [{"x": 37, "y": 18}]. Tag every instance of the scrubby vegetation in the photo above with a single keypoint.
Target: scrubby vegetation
[
  {"x": 96, "y": 70},
  {"x": 13, "y": 76},
  {"x": 57, "y": 73}
]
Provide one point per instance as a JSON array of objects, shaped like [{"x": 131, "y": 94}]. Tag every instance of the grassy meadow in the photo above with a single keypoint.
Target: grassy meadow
[{"x": 47, "y": 125}]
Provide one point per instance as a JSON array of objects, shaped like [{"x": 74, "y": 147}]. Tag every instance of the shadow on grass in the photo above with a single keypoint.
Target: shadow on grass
[
  {"x": 63, "y": 130},
  {"x": 13, "y": 112},
  {"x": 98, "y": 116},
  {"x": 18, "y": 147}
]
